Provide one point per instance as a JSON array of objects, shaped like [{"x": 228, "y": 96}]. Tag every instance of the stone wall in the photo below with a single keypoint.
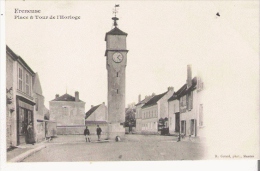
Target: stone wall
[
  {"x": 67, "y": 113},
  {"x": 100, "y": 114},
  {"x": 10, "y": 104},
  {"x": 79, "y": 130}
]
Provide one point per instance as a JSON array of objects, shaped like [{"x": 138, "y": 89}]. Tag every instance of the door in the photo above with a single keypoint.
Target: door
[
  {"x": 177, "y": 122},
  {"x": 25, "y": 116}
]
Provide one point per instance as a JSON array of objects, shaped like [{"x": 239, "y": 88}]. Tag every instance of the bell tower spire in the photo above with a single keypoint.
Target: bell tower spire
[{"x": 115, "y": 18}]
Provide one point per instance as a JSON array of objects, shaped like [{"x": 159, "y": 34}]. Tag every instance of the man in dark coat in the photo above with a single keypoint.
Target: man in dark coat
[
  {"x": 99, "y": 130},
  {"x": 87, "y": 133}
]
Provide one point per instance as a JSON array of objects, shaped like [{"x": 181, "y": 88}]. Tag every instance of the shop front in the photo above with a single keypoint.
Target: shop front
[{"x": 24, "y": 117}]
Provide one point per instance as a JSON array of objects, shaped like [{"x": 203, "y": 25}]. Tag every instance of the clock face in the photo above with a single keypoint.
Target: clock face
[{"x": 117, "y": 57}]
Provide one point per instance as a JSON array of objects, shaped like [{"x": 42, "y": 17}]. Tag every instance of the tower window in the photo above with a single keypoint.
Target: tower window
[
  {"x": 117, "y": 91},
  {"x": 117, "y": 74}
]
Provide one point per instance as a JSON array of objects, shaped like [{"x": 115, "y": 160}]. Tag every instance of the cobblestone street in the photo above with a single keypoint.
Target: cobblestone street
[{"x": 133, "y": 148}]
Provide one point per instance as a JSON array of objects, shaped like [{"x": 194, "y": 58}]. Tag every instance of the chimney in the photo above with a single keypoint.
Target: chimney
[
  {"x": 139, "y": 98},
  {"x": 103, "y": 103},
  {"x": 153, "y": 94},
  {"x": 76, "y": 96},
  {"x": 170, "y": 88},
  {"x": 56, "y": 96},
  {"x": 189, "y": 76},
  {"x": 92, "y": 106}
]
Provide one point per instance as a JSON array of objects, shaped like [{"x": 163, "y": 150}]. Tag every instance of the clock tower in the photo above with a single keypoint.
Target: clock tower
[{"x": 116, "y": 59}]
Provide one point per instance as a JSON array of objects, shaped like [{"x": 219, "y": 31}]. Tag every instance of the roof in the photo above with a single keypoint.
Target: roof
[
  {"x": 115, "y": 31},
  {"x": 144, "y": 100},
  {"x": 36, "y": 84},
  {"x": 91, "y": 111},
  {"x": 15, "y": 57},
  {"x": 183, "y": 90},
  {"x": 154, "y": 100},
  {"x": 66, "y": 97}
]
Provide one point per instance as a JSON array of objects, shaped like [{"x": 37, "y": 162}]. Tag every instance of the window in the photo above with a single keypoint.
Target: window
[
  {"x": 201, "y": 115},
  {"x": 20, "y": 79},
  {"x": 117, "y": 74},
  {"x": 183, "y": 101},
  {"x": 117, "y": 91},
  {"x": 27, "y": 84},
  {"x": 189, "y": 101}
]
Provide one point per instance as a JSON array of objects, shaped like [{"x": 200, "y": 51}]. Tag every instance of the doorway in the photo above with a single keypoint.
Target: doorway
[
  {"x": 177, "y": 122},
  {"x": 25, "y": 116}
]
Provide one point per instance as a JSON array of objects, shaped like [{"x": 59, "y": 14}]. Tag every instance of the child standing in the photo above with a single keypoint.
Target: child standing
[{"x": 87, "y": 133}]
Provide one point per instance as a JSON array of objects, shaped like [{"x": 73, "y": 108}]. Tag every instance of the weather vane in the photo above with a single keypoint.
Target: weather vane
[{"x": 115, "y": 12}]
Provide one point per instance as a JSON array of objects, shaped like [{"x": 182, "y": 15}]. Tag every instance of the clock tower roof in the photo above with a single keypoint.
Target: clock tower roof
[{"x": 115, "y": 31}]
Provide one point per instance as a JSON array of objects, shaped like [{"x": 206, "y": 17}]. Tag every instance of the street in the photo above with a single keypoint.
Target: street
[{"x": 133, "y": 148}]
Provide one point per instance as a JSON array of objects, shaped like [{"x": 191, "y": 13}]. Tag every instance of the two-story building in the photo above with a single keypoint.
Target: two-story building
[
  {"x": 21, "y": 92},
  {"x": 156, "y": 108},
  {"x": 67, "y": 110},
  {"x": 138, "y": 109},
  {"x": 97, "y": 113},
  {"x": 186, "y": 108}
]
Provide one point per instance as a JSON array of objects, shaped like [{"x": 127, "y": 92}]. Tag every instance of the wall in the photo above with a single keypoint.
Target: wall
[
  {"x": 138, "y": 118},
  {"x": 73, "y": 114},
  {"x": 9, "y": 107},
  {"x": 173, "y": 108},
  {"x": 79, "y": 130},
  {"x": 163, "y": 104},
  {"x": 116, "y": 42},
  {"x": 191, "y": 114},
  {"x": 150, "y": 122},
  {"x": 100, "y": 114}
]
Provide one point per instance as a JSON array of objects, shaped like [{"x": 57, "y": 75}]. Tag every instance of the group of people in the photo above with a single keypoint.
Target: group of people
[{"x": 87, "y": 133}]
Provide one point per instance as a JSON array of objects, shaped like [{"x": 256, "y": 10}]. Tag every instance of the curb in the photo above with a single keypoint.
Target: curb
[{"x": 21, "y": 157}]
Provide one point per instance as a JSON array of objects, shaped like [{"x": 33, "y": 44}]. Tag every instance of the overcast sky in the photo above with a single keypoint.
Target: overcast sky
[{"x": 163, "y": 38}]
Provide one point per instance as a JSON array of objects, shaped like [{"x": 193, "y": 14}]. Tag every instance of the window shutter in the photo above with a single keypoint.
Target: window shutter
[
  {"x": 191, "y": 100},
  {"x": 187, "y": 101}
]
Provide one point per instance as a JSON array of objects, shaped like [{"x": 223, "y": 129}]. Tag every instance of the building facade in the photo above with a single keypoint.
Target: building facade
[
  {"x": 154, "y": 110},
  {"x": 186, "y": 108},
  {"x": 21, "y": 99},
  {"x": 138, "y": 116},
  {"x": 67, "y": 110},
  {"x": 97, "y": 113}
]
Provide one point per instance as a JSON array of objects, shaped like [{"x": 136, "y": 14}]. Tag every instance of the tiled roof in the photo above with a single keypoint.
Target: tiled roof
[
  {"x": 91, "y": 111},
  {"x": 183, "y": 90},
  {"x": 153, "y": 100},
  {"x": 65, "y": 97},
  {"x": 115, "y": 31},
  {"x": 144, "y": 101}
]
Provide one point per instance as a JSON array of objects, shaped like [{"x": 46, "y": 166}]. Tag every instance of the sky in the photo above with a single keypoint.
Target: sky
[{"x": 163, "y": 38}]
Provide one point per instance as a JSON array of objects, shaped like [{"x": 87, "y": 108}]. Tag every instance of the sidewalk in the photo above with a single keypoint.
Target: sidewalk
[{"x": 22, "y": 151}]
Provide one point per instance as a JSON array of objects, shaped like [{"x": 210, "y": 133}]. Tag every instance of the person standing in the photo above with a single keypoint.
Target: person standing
[
  {"x": 99, "y": 130},
  {"x": 87, "y": 133},
  {"x": 30, "y": 134}
]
